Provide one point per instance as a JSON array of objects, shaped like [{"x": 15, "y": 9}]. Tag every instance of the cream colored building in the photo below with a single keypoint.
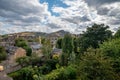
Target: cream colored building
[
  {"x": 19, "y": 52},
  {"x": 1, "y": 68}
]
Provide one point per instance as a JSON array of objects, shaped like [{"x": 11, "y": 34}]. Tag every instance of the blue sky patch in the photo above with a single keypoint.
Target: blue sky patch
[{"x": 52, "y": 3}]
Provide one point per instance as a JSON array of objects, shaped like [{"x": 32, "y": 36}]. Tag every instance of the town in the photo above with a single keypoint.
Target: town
[{"x": 14, "y": 52}]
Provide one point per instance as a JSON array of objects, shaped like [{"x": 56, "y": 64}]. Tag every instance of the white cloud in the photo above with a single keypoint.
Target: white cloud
[{"x": 31, "y": 15}]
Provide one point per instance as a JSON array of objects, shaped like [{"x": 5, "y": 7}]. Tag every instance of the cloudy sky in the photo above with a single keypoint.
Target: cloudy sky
[{"x": 53, "y": 15}]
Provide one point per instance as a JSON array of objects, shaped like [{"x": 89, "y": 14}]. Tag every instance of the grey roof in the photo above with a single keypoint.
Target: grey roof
[
  {"x": 36, "y": 46},
  {"x": 56, "y": 50},
  {"x": 11, "y": 49}
]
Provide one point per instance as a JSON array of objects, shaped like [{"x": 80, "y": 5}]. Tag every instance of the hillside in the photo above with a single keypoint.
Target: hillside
[{"x": 60, "y": 33}]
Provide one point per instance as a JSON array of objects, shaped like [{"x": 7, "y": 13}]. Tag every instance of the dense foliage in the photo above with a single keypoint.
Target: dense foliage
[
  {"x": 59, "y": 43},
  {"x": 95, "y": 55},
  {"x": 117, "y": 34},
  {"x": 3, "y": 53},
  {"x": 94, "y": 36},
  {"x": 23, "y": 43}
]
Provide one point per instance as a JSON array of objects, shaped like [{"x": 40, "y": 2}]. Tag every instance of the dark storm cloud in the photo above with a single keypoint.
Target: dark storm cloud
[
  {"x": 110, "y": 9},
  {"x": 100, "y": 2},
  {"x": 77, "y": 19},
  {"x": 103, "y": 11},
  {"x": 21, "y": 11},
  {"x": 18, "y": 6}
]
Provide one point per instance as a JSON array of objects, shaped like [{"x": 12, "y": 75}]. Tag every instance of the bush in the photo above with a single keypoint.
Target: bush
[
  {"x": 15, "y": 75},
  {"x": 94, "y": 66},
  {"x": 111, "y": 48},
  {"x": 49, "y": 66},
  {"x": 3, "y": 53},
  {"x": 63, "y": 73},
  {"x": 28, "y": 50},
  {"x": 24, "y": 74}
]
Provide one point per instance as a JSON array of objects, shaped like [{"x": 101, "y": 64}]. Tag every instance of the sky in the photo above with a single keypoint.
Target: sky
[{"x": 53, "y": 15}]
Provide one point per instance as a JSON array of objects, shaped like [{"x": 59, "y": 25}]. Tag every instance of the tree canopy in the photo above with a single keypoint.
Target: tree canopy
[{"x": 94, "y": 36}]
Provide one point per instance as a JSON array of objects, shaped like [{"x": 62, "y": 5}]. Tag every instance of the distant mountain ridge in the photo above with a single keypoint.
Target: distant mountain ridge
[{"x": 60, "y": 33}]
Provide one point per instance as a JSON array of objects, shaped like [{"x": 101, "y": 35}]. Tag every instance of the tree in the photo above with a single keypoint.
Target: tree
[
  {"x": 3, "y": 53},
  {"x": 23, "y": 61},
  {"x": 67, "y": 44},
  {"x": 28, "y": 50},
  {"x": 63, "y": 73},
  {"x": 59, "y": 43},
  {"x": 20, "y": 42},
  {"x": 67, "y": 48},
  {"x": 26, "y": 73},
  {"x": 76, "y": 47},
  {"x": 94, "y": 36},
  {"x": 46, "y": 49},
  {"x": 95, "y": 66},
  {"x": 117, "y": 34},
  {"x": 111, "y": 48}
]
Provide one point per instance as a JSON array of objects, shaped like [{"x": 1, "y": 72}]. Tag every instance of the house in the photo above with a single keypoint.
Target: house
[
  {"x": 36, "y": 48},
  {"x": 10, "y": 49},
  {"x": 9, "y": 38},
  {"x": 56, "y": 52},
  {"x": 19, "y": 52},
  {"x": 1, "y": 68}
]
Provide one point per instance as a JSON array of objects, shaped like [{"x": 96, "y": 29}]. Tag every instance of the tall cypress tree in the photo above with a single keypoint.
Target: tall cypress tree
[
  {"x": 67, "y": 44},
  {"x": 67, "y": 48}
]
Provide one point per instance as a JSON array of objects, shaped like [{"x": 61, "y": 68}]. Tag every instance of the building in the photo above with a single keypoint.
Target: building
[
  {"x": 56, "y": 52},
  {"x": 19, "y": 52},
  {"x": 36, "y": 48},
  {"x": 1, "y": 68}
]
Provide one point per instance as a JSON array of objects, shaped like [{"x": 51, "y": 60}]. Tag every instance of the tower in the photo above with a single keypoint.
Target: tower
[{"x": 40, "y": 39}]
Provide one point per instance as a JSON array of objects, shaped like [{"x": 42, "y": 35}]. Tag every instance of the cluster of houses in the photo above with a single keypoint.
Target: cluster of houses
[
  {"x": 15, "y": 52},
  {"x": 9, "y": 44}
]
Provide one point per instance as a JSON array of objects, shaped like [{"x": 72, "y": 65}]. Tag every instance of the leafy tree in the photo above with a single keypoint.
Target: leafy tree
[
  {"x": 117, "y": 34},
  {"x": 47, "y": 48},
  {"x": 111, "y": 48},
  {"x": 20, "y": 42},
  {"x": 43, "y": 40},
  {"x": 63, "y": 59},
  {"x": 67, "y": 49},
  {"x": 3, "y": 53},
  {"x": 94, "y": 36},
  {"x": 116, "y": 65},
  {"x": 63, "y": 73},
  {"x": 28, "y": 50},
  {"x": 48, "y": 66},
  {"x": 26, "y": 73},
  {"x": 59, "y": 43},
  {"x": 67, "y": 44},
  {"x": 23, "y": 61},
  {"x": 75, "y": 43},
  {"x": 95, "y": 66}
]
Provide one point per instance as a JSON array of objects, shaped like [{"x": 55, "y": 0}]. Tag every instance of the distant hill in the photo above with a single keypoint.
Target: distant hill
[{"x": 60, "y": 33}]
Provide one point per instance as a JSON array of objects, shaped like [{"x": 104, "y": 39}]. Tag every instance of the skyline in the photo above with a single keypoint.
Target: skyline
[{"x": 53, "y": 15}]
